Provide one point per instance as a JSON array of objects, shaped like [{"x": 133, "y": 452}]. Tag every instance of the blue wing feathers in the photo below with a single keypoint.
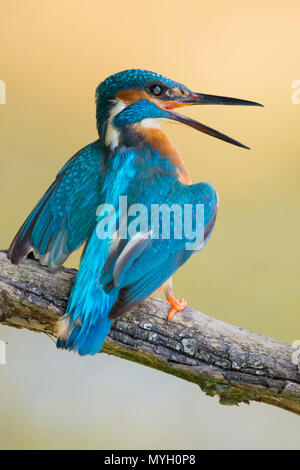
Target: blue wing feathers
[
  {"x": 111, "y": 277},
  {"x": 66, "y": 214},
  {"x": 21, "y": 245}
]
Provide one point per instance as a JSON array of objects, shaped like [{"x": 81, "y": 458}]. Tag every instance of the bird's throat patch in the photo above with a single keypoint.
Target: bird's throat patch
[{"x": 112, "y": 135}]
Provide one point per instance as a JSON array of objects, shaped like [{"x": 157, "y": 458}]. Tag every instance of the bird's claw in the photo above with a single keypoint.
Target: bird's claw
[{"x": 176, "y": 306}]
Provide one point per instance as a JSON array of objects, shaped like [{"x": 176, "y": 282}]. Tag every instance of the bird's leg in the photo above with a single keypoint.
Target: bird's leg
[{"x": 176, "y": 305}]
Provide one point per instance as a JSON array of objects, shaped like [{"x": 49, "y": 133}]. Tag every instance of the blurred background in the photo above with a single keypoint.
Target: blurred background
[{"x": 53, "y": 55}]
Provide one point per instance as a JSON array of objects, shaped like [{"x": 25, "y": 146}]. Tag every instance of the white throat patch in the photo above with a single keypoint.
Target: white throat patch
[
  {"x": 112, "y": 134},
  {"x": 150, "y": 122}
]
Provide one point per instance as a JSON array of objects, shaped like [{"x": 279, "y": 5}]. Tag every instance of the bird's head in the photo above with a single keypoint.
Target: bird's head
[{"x": 130, "y": 101}]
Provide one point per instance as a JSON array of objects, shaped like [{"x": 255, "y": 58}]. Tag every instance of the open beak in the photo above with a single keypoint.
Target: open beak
[{"x": 200, "y": 98}]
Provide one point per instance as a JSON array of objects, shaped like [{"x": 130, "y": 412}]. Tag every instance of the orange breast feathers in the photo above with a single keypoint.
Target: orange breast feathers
[
  {"x": 155, "y": 136},
  {"x": 159, "y": 141}
]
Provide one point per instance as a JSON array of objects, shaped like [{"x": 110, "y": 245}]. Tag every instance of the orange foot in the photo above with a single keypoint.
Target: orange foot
[{"x": 176, "y": 306}]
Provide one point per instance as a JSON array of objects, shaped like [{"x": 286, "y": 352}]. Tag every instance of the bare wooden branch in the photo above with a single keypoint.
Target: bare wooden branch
[{"x": 222, "y": 359}]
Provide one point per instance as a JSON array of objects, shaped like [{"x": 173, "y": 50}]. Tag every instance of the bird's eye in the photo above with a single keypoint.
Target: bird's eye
[{"x": 156, "y": 90}]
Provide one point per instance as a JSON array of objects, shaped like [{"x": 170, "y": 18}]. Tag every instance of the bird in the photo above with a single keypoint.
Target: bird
[{"x": 132, "y": 159}]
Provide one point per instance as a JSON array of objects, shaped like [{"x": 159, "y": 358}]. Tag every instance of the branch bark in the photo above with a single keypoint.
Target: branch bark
[{"x": 222, "y": 359}]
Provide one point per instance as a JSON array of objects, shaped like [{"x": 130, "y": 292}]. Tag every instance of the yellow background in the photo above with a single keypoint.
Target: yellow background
[{"x": 53, "y": 55}]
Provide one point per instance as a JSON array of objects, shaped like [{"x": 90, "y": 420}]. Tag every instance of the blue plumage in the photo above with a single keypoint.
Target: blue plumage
[
  {"x": 66, "y": 214},
  {"x": 97, "y": 294},
  {"x": 133, "y": 159}
]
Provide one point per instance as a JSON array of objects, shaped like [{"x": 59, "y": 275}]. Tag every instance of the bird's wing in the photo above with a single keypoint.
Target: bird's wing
[
  {"x": 149, "y": 281},
  {"x": 66, "y": 214},
  {"x": 141, "y": 265}
]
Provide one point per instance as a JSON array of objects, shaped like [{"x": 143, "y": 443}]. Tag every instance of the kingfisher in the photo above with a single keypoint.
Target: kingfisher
[{"x": 133, "y": 158}]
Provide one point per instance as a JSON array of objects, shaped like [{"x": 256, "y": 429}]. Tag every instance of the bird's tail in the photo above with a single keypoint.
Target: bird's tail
[
  {"x": 86, "y": 324},
  {"x": 80, "y": 339}
]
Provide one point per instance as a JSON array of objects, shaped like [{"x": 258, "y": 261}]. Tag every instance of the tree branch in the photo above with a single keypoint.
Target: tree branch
[{"x": 223, "y": 360}]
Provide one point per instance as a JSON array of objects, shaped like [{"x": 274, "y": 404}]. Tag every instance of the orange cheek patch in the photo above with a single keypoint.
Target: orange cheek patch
[
  {"x": 169, "y": 105},
  {"x": 132, "y": 96}
]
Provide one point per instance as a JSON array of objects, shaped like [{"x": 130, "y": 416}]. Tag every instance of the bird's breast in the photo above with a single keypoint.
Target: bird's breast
[{"x": 158, "y": 140}]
